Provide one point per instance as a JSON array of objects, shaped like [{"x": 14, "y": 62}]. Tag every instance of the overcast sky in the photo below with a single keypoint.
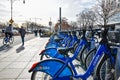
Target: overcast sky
[{"x": 44, "y": 9}]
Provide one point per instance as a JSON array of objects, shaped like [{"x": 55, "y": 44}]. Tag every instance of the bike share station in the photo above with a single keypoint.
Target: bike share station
[{"x": 93, "y": 55}]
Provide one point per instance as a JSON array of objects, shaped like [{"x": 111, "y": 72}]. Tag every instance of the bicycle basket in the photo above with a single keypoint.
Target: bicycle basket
[{"x": 114, "y": 36}]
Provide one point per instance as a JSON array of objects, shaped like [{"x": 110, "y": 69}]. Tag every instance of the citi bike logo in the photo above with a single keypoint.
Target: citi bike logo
[{"x": 43, "y": 67}]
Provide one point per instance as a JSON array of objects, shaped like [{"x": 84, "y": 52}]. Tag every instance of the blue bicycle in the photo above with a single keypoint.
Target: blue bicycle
[
  {"x": 58, "y": 69},
  {"x": 59, "y": 40},
  {"x": 8, "y": 40},
  {"x": 54, "y": 52}
]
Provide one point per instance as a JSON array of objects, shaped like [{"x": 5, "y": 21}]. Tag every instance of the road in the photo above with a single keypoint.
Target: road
[{"x": 17, "y": 40}]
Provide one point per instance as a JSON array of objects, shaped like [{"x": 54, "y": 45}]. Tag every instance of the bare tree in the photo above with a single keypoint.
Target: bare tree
[
  {"x": 86, "y": 18},
  {"x": 104, "y": 10},
  {"x": 81, "y": 19},
  {"x": 73, "y": 25}
]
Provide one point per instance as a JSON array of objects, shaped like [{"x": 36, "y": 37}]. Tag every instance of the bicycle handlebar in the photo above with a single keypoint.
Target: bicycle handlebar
[{"x": 114, "y": 44}]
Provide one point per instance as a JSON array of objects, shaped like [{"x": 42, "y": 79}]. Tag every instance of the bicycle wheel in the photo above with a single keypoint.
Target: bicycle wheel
[
  {"x": 11, "y": 40},
  {"x": 117, "y": 67},
  {"x": 37, "y": 75},
  {"x": 5, "y": 41},
  {"x": 84, "y": 54},
  {"x": 103, "y": 70},
  {"x": 89, "y": 57},
  {"x": 43, "y": 56},
  {"x": 81, "y": 54}
]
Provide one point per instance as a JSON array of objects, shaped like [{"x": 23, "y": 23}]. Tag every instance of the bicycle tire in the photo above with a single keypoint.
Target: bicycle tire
[
  {"x": 11, "y": 40},
  {"x": 84, "y": 54},
  {"x": 117, "y": 67},
  {"x": 81, "y": 54},
  {"x": 100, "y": 72},
  {"x": 4, "y": 41},
  {"x": 8, "y": 42},
  {"x": 37, "y": 75},
  {"x": 89, "y": 57},
  {"x": 43, "y": 56}
]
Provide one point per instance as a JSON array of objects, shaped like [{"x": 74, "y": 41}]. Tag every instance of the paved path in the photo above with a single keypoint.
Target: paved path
[
  {"x": 16, "y": 61},
  {"x": 17, "y": 39}
]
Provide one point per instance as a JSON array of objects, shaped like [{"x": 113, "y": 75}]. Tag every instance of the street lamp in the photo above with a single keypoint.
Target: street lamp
[
  {"x": 50, "y": 24},
  {"x": 11, "y": 20}
]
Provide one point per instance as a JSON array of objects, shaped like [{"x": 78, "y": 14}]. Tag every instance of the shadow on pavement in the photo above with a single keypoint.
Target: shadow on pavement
[
  {"x": 19, "y": 49},
  {"x": 5, "y": 47}
]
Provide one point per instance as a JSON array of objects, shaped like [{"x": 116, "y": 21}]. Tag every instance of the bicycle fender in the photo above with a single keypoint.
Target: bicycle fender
[
  {"x": 49, "y": 51},
  {"x": 52, "y": 52},
  {"x": 51, "y": 67},
  {"x": 51, "y": 45}
]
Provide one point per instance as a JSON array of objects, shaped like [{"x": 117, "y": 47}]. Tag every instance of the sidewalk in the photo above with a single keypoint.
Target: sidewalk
[
  {"x": 17, "y": 39},
  {"x": 16, "y": 61},
  {"x": 14, "y": 64}
]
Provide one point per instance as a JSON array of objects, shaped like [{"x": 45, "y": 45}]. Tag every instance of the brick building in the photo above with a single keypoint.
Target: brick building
[{"x": 64, "y": 26}]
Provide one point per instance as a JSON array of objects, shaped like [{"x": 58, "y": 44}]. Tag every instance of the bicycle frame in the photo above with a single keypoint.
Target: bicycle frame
[
  {"x": 102, "y": 50},
  {"x": 53, "y": 44},
  {"x": 48, "y": 63}
]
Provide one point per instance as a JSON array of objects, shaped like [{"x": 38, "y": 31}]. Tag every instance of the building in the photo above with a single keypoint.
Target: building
[{"x": 64, "y": 26}]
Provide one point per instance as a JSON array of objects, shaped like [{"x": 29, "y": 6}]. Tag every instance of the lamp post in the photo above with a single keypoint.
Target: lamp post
[
  {"x": 50, "y": 24},
  {"x": 60, "y": 18},
  {"x": 11, "y": 1}
]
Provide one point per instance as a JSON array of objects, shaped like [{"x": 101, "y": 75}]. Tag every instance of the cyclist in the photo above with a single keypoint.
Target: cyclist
[{"x": 9, "y": 31}]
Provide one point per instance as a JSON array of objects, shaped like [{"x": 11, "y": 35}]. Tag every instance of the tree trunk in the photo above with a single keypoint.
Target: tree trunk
[{"x": 105, "y": 23}]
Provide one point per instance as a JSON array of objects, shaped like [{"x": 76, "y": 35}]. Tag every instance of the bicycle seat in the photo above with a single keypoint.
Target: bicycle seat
[{"x": 64, "y": 51}]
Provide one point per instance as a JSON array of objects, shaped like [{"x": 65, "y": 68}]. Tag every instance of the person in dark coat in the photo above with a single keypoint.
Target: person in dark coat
[
  {"x": 40, "y": 32},
  {"x": 22, "y": 34}
]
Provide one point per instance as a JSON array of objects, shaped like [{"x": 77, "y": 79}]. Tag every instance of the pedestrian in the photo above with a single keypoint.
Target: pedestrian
[
  {"x": 35, "y": 31},
  {"x": 40, "y": 32},
  {"x": 22, "y": 34}
]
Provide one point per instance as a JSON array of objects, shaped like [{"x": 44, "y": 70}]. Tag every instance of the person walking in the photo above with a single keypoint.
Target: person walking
[
  {"x": 40, "y": 32},
  {"x": 22, "y": 34},
  {"x": 36, "y": 31}
]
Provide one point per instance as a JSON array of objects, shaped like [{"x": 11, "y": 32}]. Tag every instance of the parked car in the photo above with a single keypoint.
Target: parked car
[
  {"x": 45, "y": 33},
  {"x": 15, "y": 32},
  {"x": 29, "y": 32}
]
